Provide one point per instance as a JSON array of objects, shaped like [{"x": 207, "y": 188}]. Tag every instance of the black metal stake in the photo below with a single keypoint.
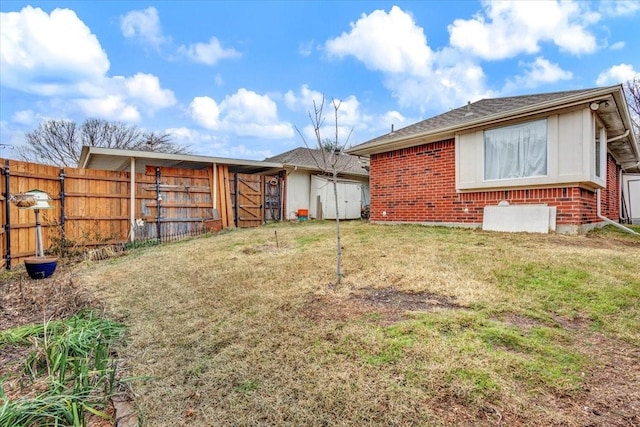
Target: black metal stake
[
  {"x": 7, "y": 226},
  {"x": 63, "y": 234}
]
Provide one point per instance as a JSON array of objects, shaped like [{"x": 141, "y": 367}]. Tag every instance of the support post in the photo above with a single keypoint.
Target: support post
[
  {"x": 132, "y": 199},
  {"x": 39, "y": 246},
  {"x": 158, "y": 200}
]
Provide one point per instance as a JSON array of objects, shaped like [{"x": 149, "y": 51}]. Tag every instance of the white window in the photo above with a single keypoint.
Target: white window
[
  {"x": 599, "y": 150},
  {"x": 517, "y": 151}
]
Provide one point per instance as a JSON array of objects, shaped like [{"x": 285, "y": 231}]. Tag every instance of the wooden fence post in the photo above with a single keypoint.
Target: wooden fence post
[{"x": 236, "y": 210}]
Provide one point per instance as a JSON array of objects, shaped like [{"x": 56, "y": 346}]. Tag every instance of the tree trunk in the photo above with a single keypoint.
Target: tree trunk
[{"x": 338, "y": 244}]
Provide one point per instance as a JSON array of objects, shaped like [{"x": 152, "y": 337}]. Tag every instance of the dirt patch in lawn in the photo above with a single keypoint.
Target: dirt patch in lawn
[
  {"x": 404, "y": 301},
  {"x": 388, "y": 304}
]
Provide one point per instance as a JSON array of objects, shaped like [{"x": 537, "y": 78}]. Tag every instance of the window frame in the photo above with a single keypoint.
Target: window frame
[
  {"x": 599, "y": 144},
  {"x": 485, "y": 177}
]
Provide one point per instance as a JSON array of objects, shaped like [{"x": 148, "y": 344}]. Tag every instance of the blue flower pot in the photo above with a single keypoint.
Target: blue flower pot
[{"x": 40, "y": 267}]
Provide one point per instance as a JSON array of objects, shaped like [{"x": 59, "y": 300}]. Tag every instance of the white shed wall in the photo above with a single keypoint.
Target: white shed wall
[{"x": 298, "y": 185}]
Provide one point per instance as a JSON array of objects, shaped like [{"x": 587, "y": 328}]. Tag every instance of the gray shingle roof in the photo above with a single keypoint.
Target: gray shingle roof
[
  {"x": 313, "y": 159},
  {"x": 474, "y": 113}
]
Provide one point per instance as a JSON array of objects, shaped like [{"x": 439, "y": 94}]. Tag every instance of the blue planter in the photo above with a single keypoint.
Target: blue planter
[{"x": 40, "y": 267}]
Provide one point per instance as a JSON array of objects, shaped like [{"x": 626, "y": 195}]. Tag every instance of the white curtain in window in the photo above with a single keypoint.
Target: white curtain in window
[{"x": 516, "y": 151}]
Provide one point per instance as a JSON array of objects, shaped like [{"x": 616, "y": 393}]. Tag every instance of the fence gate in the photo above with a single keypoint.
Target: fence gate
[
  {"x": 272, "y": 198},
  {"x": 247, "y": 200}
]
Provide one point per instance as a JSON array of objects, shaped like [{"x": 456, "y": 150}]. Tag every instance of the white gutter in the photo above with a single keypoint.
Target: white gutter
[
  {"x": 615, "y": 138},
  {"x": 607, "y": 220}
]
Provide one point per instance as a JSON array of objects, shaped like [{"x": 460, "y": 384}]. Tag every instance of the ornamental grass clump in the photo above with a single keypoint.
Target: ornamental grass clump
[{"x": 73, "y": 359}]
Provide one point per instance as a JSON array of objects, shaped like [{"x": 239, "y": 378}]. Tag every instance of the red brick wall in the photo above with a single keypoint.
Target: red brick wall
[
  {"x": 610, "y": 198},
  {"x": 417, "y": 184}
]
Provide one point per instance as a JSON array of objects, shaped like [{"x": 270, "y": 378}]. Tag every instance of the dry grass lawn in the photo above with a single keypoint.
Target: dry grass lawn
[{"x": 430, "y": 326}]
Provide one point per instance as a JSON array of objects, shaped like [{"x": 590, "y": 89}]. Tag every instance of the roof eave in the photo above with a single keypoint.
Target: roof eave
[{"x": 450, "y": 131}]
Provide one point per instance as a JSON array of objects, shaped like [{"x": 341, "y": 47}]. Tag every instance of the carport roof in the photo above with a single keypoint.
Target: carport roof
[{"x": 120, "y": 160}]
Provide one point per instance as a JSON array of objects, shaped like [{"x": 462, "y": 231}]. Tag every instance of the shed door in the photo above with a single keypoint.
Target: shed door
[
  {"x": 246, "y": 200},
  {"x": 631, "y": 189},
  {"x": 349, "y": 198}
]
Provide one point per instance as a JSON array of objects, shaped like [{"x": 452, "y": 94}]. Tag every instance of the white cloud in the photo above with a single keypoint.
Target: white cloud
[
  {"x": 541, "y": 71},
  {"x": 617, "y": 74},
  {"x": 48, "y": 53},
  {"x": 205, "y": 112},
  {"x": 111, "y": 107},
  {"x": 56, "y": 56},
  {"x": 389, "y": 42},
  {"x": 245, "y": 113},
  {"x": 249, "y": 113},
  {"x": 393, "y": 119},
  {"x": 393, "y": 44},
  {"x": 24, "y": 117},
  {"x": 213, "y": 145},
  {"x": 443, "y": 88},
  {"x": 208, "y": 53},
  {"x": 619, "y": 7},
  {"x": 143, "y": 25},
  {"x": 617, "y": 45},
  {"x": 505, "y": 29},
  {"x": 304, "y": 101},
  {"x": 145, "y": 89}
]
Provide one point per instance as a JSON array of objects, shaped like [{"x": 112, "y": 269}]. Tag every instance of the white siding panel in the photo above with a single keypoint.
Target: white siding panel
[{"x": 571, "y": 147}]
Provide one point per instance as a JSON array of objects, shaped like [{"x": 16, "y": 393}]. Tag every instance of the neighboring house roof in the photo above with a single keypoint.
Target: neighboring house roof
[
  {"x": 314, "y": 159},
  {"x": 487, "y": 112}
]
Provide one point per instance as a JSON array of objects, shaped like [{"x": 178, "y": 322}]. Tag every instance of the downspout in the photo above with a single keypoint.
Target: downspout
[
  {"x": 598, "y": 196},
  {"x": 607, "y": 220},
  {"x": 621, "y": 211}
]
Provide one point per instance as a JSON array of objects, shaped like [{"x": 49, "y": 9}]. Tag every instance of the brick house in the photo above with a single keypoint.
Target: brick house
[{"x": 538, "y": 163}]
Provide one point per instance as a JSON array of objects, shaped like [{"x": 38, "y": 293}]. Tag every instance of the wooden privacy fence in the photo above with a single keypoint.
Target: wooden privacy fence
[{"x": 94, "y": 207}]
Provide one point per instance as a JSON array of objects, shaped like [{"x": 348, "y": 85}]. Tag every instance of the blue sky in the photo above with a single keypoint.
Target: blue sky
[{"x": 235, "y": 79}]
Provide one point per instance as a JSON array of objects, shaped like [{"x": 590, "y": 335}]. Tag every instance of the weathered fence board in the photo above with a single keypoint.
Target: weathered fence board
[
  {"x": 93, "y": 207},
  {"x": 248, "y": 200}
]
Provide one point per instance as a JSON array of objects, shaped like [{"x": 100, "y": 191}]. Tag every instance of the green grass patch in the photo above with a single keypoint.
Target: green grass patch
[
  {"x": 74, "y": 358},
  {"x": 607, "y": 301}
]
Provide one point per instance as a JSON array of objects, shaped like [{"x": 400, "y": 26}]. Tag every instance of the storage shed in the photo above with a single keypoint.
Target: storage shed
[{"x": 307, "y": 187}]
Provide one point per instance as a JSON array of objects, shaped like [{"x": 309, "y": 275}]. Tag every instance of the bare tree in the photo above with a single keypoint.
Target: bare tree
[
  {"x": 331, "y": 159},
  {"x": 59, "y": 142},
  {"x": 632, "y": 91}
]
